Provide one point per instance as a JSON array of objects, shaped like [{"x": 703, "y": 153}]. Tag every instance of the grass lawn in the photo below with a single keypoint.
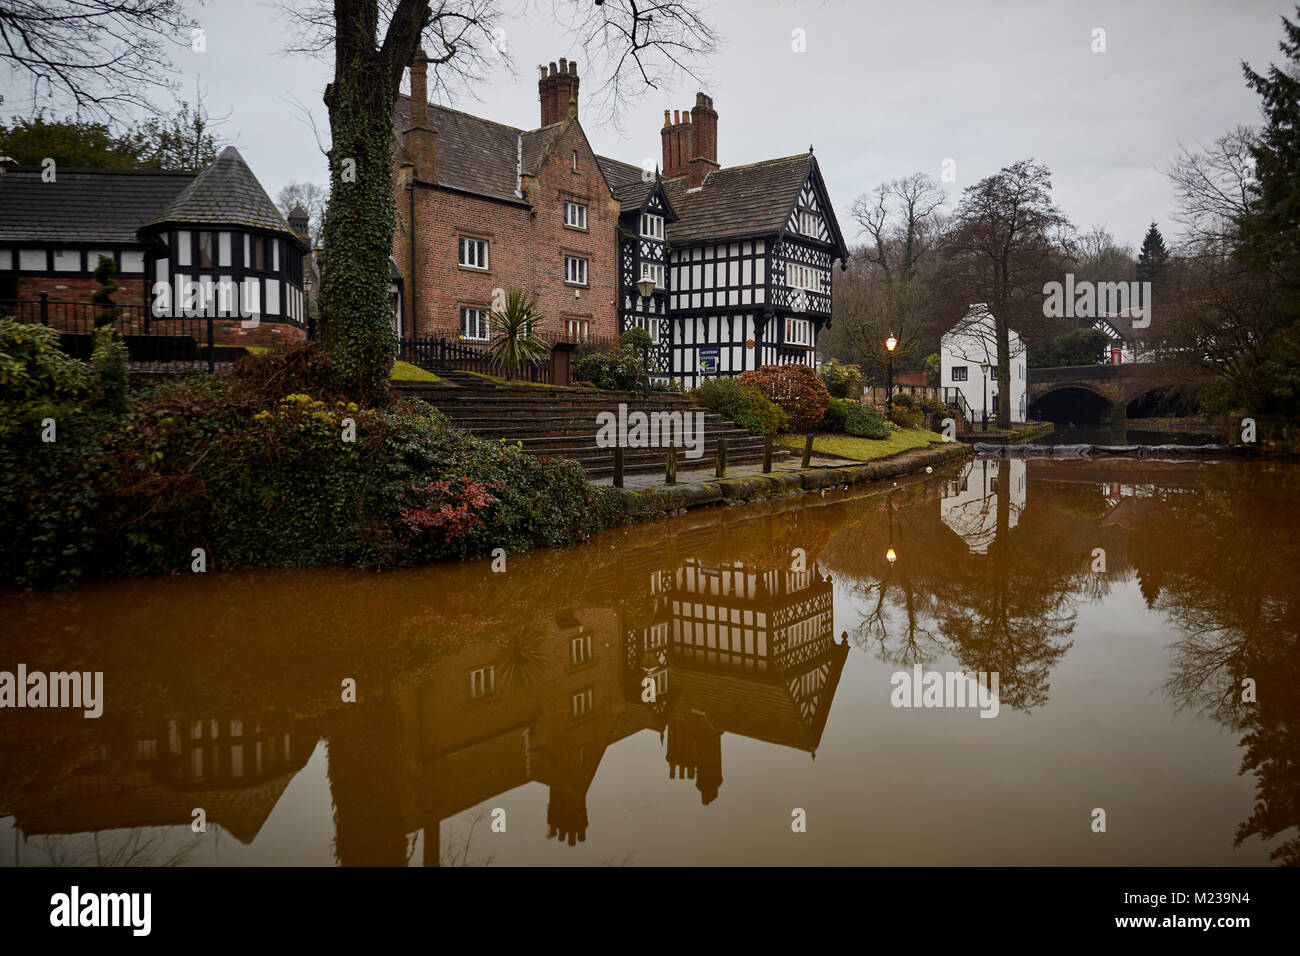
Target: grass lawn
[
  {"x": 406, "y": 372},
  {"x": 518, "y": 383},
  {"x": 864, "y": 449}
]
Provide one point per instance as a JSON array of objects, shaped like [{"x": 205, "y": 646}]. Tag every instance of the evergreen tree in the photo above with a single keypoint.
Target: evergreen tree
[{"x": 1153, "y": 255}]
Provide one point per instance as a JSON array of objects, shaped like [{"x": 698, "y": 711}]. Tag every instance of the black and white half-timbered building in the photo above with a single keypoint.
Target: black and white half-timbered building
[{"x": 741, "y": 265}]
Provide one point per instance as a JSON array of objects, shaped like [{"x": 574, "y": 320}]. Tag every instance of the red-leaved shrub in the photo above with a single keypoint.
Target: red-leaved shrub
[{"x": 798, "y": 389}]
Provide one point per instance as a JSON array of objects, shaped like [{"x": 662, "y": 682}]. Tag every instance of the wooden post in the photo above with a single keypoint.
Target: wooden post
[
  {"x": 807, "y": 451},
  {"x": 721, "y": 470},
  {"x": 767, "y": 454},
  {"x": 212, "y": 358},
  {"x": 618, "y": 466},
  {"x": 670, "y": 475}
]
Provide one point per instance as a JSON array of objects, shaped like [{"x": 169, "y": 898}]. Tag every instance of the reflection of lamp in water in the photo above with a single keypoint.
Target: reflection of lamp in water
[{"x": 890, "y": 556}]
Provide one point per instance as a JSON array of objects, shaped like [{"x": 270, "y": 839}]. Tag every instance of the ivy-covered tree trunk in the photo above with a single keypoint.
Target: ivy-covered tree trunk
[{"x": 360, "y": 345}]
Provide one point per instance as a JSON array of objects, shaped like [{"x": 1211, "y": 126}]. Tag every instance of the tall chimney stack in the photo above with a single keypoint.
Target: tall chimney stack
[
  {"x": 558, "y": 91},
  {"x": 420, "y": 142},
  {"x": 704, "y": 139}
]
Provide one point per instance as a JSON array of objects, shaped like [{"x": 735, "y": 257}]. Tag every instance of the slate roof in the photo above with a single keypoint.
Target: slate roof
[
  {"x": 83, "y": 205},
  {"x": 225, "y": 194},
  {"x": 478, "y": 155},
  {"x": 737, "y": 201},
  {"x": 629, "y": 186}
]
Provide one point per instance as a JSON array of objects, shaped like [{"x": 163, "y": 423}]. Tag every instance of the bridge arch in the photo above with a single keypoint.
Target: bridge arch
[{"x": 1072, "y": 403}]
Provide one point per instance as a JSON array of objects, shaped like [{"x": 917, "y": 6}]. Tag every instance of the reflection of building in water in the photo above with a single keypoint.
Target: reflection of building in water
[
  {"x": 970, "y": 499},
  {"x": 234, "y": 769},
  {"x": 749, "y": 651}
]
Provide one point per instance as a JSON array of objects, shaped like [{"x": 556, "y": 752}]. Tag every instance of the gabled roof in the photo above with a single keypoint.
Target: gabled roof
[
  {"x": 225, "y": 194},
  {"x": 84, "y": 205},
  {"x": 477, "y": 155},
  {"x": 742, "y": 201}
]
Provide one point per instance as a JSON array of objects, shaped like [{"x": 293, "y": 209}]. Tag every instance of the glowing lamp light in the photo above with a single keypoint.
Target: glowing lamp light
[
  {"x": 890, "y": 556},
  {"x": 891, "y": 343}
]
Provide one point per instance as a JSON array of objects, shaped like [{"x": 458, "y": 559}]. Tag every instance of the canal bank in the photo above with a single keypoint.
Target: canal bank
[{"x": 651, "y": 497}]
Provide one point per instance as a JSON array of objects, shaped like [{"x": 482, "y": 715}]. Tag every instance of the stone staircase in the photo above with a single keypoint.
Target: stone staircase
[{"x": 562, "y": 422}]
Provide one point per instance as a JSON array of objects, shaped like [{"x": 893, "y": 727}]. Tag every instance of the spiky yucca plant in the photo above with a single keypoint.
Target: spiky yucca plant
[{"x": 516, "y": 342}]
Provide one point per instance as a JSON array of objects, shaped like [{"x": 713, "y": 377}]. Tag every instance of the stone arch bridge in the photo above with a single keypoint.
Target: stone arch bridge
[{"x": 1097, "y": 391}]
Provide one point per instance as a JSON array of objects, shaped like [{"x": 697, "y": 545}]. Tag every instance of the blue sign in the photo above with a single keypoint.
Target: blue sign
[{"x": 709, "y": 361}]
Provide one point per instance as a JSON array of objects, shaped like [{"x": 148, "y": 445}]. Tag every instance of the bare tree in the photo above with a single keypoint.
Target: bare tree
[
  {"x": 638, "y": 46},
  {"x": 1213, "y": 192},
  {"x": 902, "y": 221},
  {"x": 313, "y": 197},
  {"x": 98, "y": 53},
  {"x": 1007, "y": 240}
]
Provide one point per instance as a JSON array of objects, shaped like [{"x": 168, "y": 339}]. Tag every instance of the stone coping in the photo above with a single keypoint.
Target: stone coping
[{"x": 652, "y": 497}]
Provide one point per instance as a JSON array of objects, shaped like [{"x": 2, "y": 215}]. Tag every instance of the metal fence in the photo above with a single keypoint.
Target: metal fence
[
  {"x": 460, "y": 355},
  {"x": 153, "y": 343}
]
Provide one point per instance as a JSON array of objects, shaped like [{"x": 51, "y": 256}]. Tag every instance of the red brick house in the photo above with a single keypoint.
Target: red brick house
[{"x": 727, "y": 268}]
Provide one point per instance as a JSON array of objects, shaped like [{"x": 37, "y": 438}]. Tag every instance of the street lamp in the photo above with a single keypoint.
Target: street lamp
[
  {"x": 984, "y": 370},
  {"x": 891, "y": 343},
  {"x": 645, "y": 287}
]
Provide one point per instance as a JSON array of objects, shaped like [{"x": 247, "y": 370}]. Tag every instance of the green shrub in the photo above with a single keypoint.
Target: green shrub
[
  {"x": 842, "y": 381},
  {"x": 904, "y": 400},
  {"x": 38, "y": 380},
  {"x": 863, "y": 421},
  {"x": 743, "y": 405},
  {"x": 616, "y": 369},
  {"x": 109, "y": 362},
  {"x": 836, "y": 413},
  {"x": 217, "y": 462},
  {"x": 905, "y": 417}
]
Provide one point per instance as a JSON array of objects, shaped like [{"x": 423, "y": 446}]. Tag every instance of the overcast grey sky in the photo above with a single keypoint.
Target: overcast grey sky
[{"x": 883, "y": 90}]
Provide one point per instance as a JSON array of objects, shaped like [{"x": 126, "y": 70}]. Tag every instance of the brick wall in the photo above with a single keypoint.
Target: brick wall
[
  {"x": 526, "y": 251},
  {"x": 79, "y": 289}
]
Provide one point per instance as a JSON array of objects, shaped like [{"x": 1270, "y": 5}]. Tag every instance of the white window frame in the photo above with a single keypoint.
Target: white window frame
[
  {"x": 650, "y": 323},
  {"x": 579, "y": 330},
  {"x": 655, "y": 271},
  {"x": 808, "y": 223},
  {"x": 652, "y": 226},
  {"x": 963, "y": 377},
  {"x": 579, "y": 649},
  {"x": 575, "y": 215},
  {"x": 581, "y": 703},
  {"x": 575, "y": 270},
  {"x": 800, "y": 276},
  {"x": 472, "y": 253},
  {"x": 482, "y": 320},
  {"x": 798, "y": 332},
  {"x": 482, "y": 682}
]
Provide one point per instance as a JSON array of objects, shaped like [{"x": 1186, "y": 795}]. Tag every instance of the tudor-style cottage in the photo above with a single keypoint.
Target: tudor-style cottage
[
  {"x": 178, "y": 239},
  {"x": 727, "y": 268}
]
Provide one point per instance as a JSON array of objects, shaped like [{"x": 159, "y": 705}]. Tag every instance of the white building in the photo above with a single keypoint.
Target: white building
[
  {"x": 971, "y": 344},
  {"x": 970, "y": 500}
]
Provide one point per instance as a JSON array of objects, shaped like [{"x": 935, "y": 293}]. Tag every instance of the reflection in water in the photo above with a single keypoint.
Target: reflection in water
[{"x": 690, "y": 636}]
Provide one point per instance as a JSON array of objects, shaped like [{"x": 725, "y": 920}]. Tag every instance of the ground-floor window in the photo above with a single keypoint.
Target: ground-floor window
[
  {"x": 474, "y": 324},
  {"x": 798, "y": 332}
]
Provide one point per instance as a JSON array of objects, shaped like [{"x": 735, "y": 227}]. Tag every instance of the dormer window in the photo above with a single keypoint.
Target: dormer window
[{"x": 652, "y": 226}]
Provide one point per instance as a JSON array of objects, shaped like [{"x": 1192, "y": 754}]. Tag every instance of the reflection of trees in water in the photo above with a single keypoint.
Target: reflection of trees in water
[
  {"x": 138, "y": 846},
  {"x": 365, "y": 777},
  {"x": 1003, "y": 611},
  {"x": 1231, "y": 590}
]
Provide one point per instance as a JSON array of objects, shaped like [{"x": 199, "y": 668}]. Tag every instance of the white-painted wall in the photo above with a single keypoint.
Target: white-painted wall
[{"x": 972, "y": 341}]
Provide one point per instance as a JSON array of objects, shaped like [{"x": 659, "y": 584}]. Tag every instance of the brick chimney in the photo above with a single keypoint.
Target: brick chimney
[
  {"x": 558, "y": 91},
  {"x": 676, "y": 136},
  {"x": 704, "y": 139},
  {"x": 420, "y": 144}
]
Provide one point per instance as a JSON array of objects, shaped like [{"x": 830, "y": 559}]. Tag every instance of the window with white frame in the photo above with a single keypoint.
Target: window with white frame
[
  {"x": 473, "y": 253},
  {"x": 654, "y": 272},
  {"x": 650, "y": 324},
  {"x": 575, "y": 270},
  {"x": 959, "y": 373},
  {"x": 798, "y": 332},
  {"x": 575, "y": 215},
  {"x": 652, "y": 226},
  {"x": 579, "y": 329},
  {"x": 474, "y": 324},
  {"x": 579, "y": 649},
  {"x": 580, "y": 703},
  {"x": 808, "y": 223},
  {"x": 798, "y": 276},
  {"x": 482, "y": 682}
]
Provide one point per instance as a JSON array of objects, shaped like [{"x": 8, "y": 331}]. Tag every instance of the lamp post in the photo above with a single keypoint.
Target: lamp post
[
  {"x": 891, "y": 343},
  {"x": 984, "y": 370}
]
